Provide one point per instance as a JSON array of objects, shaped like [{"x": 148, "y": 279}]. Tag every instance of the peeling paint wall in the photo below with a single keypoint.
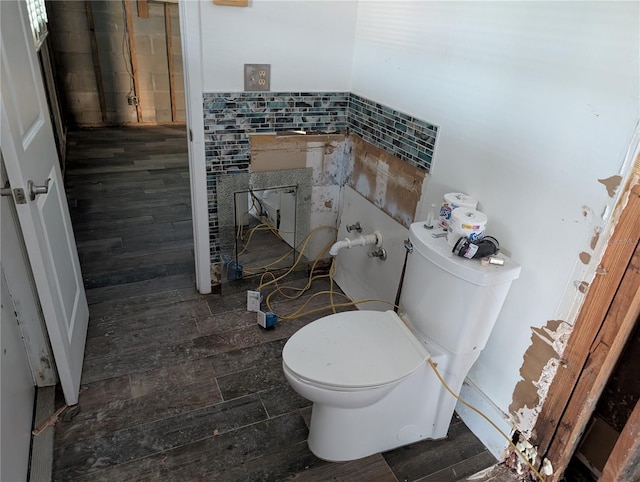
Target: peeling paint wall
[
  {"x": 542, "y": 360},
  {"x": 540, "y": 363}
]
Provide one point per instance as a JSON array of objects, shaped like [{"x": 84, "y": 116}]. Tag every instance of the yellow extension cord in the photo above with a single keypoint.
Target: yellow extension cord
[{"x": 468, "y": 405}]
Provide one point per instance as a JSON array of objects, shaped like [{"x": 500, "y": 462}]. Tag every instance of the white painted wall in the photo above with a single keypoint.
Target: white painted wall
[
  {"x": 361, "y": 277},
  {"x": 535, "y": 102},
  {"x": 309, "y": 44}
]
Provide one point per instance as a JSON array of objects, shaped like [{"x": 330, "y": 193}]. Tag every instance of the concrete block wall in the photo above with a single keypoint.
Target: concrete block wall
[
  {"x": 69, "y": 30},
  {"x": 177, "y": 64}
]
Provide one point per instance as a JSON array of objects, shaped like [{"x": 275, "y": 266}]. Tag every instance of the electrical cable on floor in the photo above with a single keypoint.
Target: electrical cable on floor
[
  {"x": 302, "y": 249},
  {"x": 476, "y": 410},
  {"x": 299, "y": 312},
  {"x": 250, "y": 270},
  {"x": 300, "y": 291},
  {"x": 312, "y": 270},
  {"x": 259, "y": 227},
  {"x": 331, "y": 292}
]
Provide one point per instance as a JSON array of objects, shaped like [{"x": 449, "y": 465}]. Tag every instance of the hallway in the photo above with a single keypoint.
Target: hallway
[{"x": 178, "y": 385}]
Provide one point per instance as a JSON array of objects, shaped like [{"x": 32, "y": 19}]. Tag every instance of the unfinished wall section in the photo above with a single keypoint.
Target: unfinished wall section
[
  {"x": 70, "y": 36},
  {"x": 239, "y": 136},
  {"x": 93, "y": 57},
  {"x": 329, "y": 157},
  {"x": 388, "y": 182},
  {"x": 231, "y": 118},
  {"x": 157, "y": 46},
  {"x": 401, "y": 135}
]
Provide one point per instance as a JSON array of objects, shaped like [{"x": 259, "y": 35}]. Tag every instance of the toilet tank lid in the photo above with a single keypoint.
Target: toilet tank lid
[
  {"x": 440, "y": 253},
  {"x": 354, "y": 349}
]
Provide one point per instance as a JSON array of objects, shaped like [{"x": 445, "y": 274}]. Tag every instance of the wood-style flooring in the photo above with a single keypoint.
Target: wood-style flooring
[{"x": 178, "y": 385}]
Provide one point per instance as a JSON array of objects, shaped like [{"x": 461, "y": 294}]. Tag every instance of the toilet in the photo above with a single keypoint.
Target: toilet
[{"x": 366, "y": 372}]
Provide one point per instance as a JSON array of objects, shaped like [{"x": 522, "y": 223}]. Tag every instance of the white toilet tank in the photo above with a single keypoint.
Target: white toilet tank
[{"x": 450, "y": 300}]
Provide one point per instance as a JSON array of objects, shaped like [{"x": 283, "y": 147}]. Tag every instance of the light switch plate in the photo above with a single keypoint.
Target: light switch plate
[{"x": 257, "y": 77}]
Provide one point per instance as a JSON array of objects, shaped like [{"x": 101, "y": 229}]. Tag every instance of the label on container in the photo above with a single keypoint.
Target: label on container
[
  {"x": 472, "y": 249},
  {"x": 476, "y": 236},
  {"x": 445, "y": 215}
]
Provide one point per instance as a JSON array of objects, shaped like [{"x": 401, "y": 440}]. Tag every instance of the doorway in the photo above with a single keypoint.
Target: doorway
[{"x": 120, "y": 63}]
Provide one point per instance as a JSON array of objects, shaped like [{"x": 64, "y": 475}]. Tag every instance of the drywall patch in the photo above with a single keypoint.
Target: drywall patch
[
  {"x": 539, "y": 366},
  {"x": 611, "y": 183},
  {"x": 584, "y": 257},
  {"x": 391, "y": 184},
  {"x": 274, "y": 152}
]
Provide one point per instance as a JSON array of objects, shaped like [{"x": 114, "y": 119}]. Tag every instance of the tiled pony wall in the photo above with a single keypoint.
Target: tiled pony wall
[{"x": 373, "y": 130}]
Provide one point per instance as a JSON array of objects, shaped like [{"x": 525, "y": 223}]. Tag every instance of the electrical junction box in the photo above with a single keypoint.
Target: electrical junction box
[
  {"x": 254, "y": 298},
  {"x": 234, "y": 271},
  {"x": 267, "y": 319}
]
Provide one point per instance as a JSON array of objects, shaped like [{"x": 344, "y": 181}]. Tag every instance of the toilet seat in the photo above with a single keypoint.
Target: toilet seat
[{"x": 354, "y": 350}]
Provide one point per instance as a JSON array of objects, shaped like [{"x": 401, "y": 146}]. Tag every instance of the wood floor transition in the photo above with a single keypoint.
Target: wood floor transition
[{"x": 178, "y": 385}]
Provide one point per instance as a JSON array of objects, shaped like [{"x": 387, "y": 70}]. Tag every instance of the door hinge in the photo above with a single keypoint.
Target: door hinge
[{"x": 190, "y": 135}]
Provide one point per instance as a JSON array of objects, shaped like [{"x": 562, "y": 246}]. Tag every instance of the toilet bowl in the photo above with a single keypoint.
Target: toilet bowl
[
  {"x": 351, "y": 359},
  {"x": 371, "y": 387}
]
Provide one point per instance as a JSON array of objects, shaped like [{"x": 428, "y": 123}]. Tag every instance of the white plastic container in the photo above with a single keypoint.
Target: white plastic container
[
  {"x": 452, "y": 201},
  {"x": 466, "y": 223}
]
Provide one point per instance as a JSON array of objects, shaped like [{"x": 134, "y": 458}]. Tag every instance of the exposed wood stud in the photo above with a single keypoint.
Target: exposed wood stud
[
  {"x": 96, "y": 61},
  {"x": 143, "y": 9},
  {"x": 603, "y": 356},
  {"x": 624, "y": 460},
  {"x": 603, "y": 325},
  {"x": 132, "y": 55},
  {"x": 172, "y": 77}
]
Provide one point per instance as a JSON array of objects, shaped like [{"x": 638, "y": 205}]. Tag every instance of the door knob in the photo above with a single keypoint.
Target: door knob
[
  {"x": 35, "y": 190},
  {"x": 17, "y": 194}
]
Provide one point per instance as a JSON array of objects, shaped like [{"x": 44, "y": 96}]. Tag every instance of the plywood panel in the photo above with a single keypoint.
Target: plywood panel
[
  {"x": 390, "y": 183},
  {"x": 274, "y": 152}
]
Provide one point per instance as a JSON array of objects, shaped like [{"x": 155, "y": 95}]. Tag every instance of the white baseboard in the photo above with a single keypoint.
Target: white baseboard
[{"x": 489, "y": 436}]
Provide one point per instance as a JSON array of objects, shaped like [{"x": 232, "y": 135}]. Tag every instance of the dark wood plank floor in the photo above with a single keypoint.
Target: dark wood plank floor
[{"x": 177, "y": 385}]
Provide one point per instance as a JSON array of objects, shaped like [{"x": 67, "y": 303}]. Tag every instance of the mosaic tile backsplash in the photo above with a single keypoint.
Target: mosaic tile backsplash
[
  {"x": 406, "y": 137},
  {"x": 229, "y": 118}
]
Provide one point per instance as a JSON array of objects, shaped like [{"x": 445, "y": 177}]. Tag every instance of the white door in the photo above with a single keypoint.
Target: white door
[
  {"x": 16, "y": 394},
  {"x": 29, "y": 153}
]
